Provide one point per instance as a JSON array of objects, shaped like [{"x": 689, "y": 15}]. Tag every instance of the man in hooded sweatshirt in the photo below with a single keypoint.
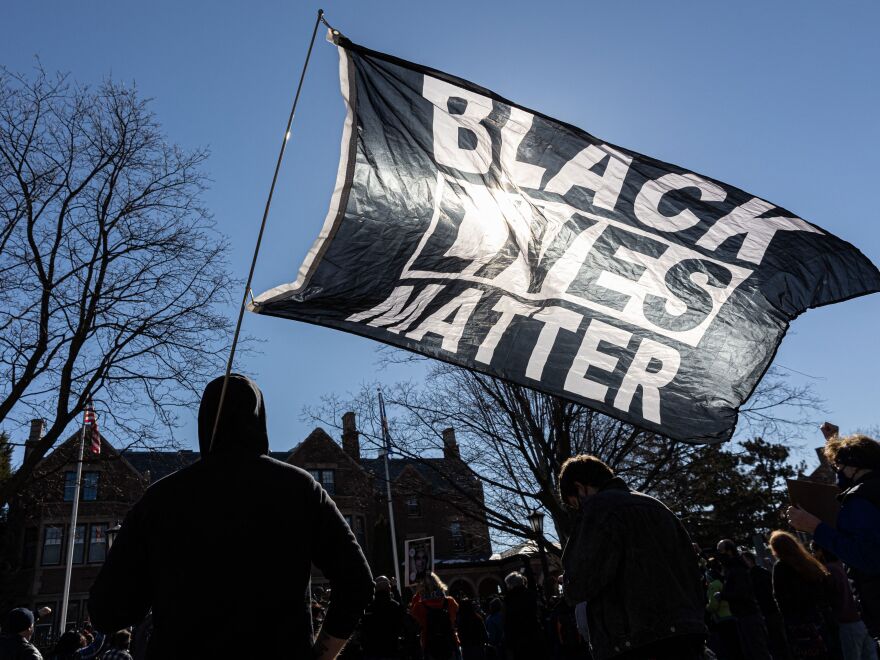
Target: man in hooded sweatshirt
[{"x": 226, "y": 545}]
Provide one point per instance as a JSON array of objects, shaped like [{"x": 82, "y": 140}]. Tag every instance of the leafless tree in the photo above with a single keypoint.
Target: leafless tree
[
  {"x": 515, "y": 440},
  {"x": 112, "y": 275}
]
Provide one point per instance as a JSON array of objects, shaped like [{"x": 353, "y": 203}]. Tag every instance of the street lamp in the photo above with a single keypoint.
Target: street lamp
[
  {"x": 536, "y": 522},
  {"x": 111, "y": 535}
]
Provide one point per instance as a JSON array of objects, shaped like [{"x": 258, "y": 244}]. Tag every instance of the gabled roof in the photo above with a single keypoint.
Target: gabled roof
[
  {"x": 320, "y": 435},
  {"x": 436, "y": 471},
  {"x": 107, "y": 451}
]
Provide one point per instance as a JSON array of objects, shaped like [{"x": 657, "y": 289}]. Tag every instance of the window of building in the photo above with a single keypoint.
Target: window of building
[
  {"x": 327, "y": 479},
  {"x": 356, "y": 524},
  {"x": 69, "y": 485},
  {"x": 29, "y": 548},
  {"x": 53, "y": 535},
  {"x": 97, "y": 542},
  {"x": 73, "y": 620},
  {"x": 90, "y": 486},
  {"x": 413, "y": 507},
  {"x": 89, "y": 491},
  {"x": 79, "y": 545},
  {"x": 457, "y": 536}
]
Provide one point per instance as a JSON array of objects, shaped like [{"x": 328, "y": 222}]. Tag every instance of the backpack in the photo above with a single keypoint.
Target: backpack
[{"x": 440, "y": 638}]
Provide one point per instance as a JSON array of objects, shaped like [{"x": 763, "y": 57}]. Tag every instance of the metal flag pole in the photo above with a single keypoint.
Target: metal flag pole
[
  {"x": 386, "y": 438},
  {"x": 247, "y": 286},
  {"x": 71, "y": 537}
]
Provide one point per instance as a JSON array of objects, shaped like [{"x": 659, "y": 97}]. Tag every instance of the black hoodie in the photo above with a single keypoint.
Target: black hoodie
[{"x": 221, "y": 551}]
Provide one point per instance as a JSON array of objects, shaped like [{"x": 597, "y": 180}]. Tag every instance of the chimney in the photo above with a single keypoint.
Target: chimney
[
  {"x": 450, "y": 444},
  {"x": 38, "y": 427},
  {"x": 351, "y": 443}
]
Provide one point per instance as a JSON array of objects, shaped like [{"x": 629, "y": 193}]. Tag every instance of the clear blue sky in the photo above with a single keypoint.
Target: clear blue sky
[{"x": 780, "y": 99}]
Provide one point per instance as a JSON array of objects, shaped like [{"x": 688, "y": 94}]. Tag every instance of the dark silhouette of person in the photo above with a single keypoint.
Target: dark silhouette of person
[{"x": 227, "y": 543}]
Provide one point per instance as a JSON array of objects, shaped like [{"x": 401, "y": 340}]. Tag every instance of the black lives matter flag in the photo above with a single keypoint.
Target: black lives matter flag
[{"x": 478, "y": 232}]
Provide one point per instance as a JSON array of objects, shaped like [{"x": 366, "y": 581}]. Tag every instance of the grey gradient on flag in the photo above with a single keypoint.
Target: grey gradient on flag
[{"x": 487, "y": 235}]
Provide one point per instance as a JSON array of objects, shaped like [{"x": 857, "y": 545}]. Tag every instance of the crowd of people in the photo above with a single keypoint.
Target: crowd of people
[{"x": 633, "y": 586}]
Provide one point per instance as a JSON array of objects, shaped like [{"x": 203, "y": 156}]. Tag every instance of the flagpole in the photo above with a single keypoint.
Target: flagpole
[
  {"x": 72, "y": 536},
  {"x": 386, "y": 438},
  {"x": 247, "y": 286}
]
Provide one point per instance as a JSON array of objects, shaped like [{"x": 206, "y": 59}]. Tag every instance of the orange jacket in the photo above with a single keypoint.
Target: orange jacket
[{"x": 419, "y": 609}]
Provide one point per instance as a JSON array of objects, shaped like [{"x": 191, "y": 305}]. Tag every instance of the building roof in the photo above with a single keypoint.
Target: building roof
[{"x": 436, "y": 471}]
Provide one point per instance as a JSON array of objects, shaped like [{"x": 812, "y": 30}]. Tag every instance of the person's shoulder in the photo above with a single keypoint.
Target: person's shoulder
[{"x": 29, "y": 652}]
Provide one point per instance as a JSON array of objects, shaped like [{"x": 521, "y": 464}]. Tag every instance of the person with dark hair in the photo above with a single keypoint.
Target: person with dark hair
[
  {"x": 855, "y": 642},
  {"x": 67, "y": 644},
  {"x": 856, "y": 538},
  {"x": 237, "y": 533},
  {"x": 523, "y": 639},
  {"x": 762, "y": 583},
  {"x": 723, "y": 633},
  {"x": 119, "y": 643},
  {"x": 632, "y": 561},
  {"x": 382, "y": 625},
  {"x": 471, "y": 631},
  {"x": 802, "y": 587},
  {"x": 15, "y": 640},
  {"x": 495, "y": 627},
  {"x": 740, "y": 593}
]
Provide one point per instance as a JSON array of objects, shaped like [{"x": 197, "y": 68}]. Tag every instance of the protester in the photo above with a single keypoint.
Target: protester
[
  {"x": 802, "y": 587},
  {"x": 495, "y": 627},
  {"x": 723, "y": 632},
  {"x": 436, "y": 613},
  {"x": 762, "y": 583},
  {"x": 739, "y": 592},
  {"x": 412, "y": 637},
  {"x": 119, "y": 643},
  {"x": 856, "y": 537},
  {"x": 522, "y": 630},
  {"x": 571, "y": 645},
  {"x": 855, "y": 642},
  {"x": 235, "y": 533},
  {"x": 382, "y": 625},
  {"x": 632, "y": 561},
  {"x": 15, "y": 640},
  {"x": 471, "y": 631}
]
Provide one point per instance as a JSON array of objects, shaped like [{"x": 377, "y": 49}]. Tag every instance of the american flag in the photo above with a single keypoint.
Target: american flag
[{"x": 90, "y": 420}]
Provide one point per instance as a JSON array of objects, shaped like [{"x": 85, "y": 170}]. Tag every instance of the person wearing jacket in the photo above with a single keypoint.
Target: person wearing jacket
[
  {"x": 631, "y": 560},
  {"x": 15, "y": 640},
  {"x": 436, "y": 613},
  {"x": 856, "y": 537},
  {"x": 803, "y": 588},
  {"x": 382, "y": 625},
  {"x": 723, "y": 633},
  {"x": 855, "y": 642},
  {"x": 471, "y": 631},
  {"x": 740, "y": 593},
  {"x": 228, "y": 540},
  {"x": 523, "y": 637}
]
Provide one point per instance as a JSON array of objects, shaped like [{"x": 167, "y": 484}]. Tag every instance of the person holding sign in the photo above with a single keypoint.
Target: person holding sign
[{"x": 856, "y": 538}]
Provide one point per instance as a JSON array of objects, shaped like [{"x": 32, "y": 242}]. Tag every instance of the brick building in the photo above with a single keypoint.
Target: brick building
[{"x": 430, "y": 496}]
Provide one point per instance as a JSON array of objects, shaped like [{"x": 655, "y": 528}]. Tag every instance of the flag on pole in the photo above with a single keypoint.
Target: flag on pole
[
  {"x": 476, "y": 231},
  {"x": 90, "y": 421}
]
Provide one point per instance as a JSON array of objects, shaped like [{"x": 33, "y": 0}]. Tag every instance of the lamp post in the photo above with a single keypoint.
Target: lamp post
[
  {"x": 111, "y": 535},
  {"x": 536, "y": 522}
]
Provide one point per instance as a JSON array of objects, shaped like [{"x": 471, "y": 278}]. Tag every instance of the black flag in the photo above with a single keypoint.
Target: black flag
[{"x": 478, "y": 232}]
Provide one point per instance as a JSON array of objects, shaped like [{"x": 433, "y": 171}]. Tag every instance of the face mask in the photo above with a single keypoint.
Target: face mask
[{"x": 843, "y": 481}]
